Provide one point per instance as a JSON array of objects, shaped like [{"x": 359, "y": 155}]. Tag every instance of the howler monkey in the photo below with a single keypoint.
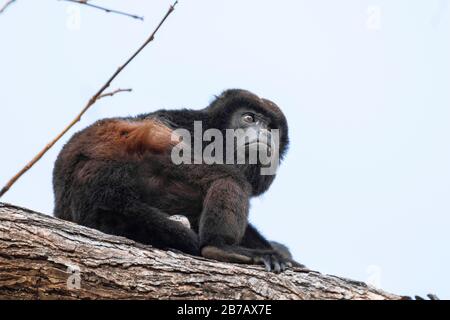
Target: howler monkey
[{"x": 118, "y": 176}]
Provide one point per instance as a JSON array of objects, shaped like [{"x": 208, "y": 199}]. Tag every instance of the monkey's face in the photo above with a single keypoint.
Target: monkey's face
[
  {"x": 259, "y": 124},
  {"x": 252, "y": 131}
]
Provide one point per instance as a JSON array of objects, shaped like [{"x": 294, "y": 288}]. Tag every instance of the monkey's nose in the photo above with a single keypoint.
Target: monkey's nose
[{"x": 265, "y": 137}]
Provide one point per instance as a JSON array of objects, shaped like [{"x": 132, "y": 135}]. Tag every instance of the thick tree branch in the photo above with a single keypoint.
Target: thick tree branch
[
  {"x": 89, "y": 104},
  {"x": 42, "y": 257}
]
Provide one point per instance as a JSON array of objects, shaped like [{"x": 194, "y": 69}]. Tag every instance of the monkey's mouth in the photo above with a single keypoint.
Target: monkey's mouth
[{"x": 258, "y": 144}]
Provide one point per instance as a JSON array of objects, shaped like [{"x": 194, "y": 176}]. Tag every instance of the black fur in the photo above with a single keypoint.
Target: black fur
[{"x": 131, "y": 193}]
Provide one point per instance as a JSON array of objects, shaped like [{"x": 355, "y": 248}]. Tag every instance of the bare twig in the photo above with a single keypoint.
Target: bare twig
[
  {"x": 112, "y": 93},
  {"x": 86, "y": 3},
  {"x": 100, "y": 93},
  {"x": 6, "y": 5}
]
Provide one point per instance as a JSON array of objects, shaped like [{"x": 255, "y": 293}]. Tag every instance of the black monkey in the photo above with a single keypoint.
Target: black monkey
[{"x": 118, "y": 176}]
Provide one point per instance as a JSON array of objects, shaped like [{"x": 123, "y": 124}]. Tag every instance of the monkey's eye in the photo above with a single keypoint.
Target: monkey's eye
[{"x": 248, "y": 117}]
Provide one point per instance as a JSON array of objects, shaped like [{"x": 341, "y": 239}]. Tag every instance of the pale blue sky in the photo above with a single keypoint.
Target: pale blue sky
[{"x": 364, "y": 191}]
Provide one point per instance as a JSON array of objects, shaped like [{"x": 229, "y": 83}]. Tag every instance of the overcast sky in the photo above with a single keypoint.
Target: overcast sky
[{"x": 364, "y": 190}]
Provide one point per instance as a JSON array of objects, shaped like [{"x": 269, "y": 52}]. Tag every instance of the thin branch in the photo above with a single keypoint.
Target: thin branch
[
  {"x": 92, "y": 101},
  {"x": 6, "y": 5},
  {"x": 86, "y": 3},
  {"x": 112, "y": 93}
]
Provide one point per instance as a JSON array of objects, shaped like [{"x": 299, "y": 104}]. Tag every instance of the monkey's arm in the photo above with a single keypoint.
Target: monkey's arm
[{"x": 223, "y": 225}]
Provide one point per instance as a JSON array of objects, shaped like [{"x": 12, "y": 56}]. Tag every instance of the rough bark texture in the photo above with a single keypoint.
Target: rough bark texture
[{"x": 42, "y": 257}]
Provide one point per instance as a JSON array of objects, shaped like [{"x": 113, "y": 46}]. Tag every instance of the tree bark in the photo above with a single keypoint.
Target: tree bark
[{"x": 42, "y": 257}]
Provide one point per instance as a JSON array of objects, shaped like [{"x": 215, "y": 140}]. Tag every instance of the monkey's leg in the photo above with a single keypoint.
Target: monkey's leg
[
  {"x": 223, "y": 224},
  {"x": 254, "y": 240},
  {"x": 106, "y": 195},
  {"x": 148, "y": 225}
]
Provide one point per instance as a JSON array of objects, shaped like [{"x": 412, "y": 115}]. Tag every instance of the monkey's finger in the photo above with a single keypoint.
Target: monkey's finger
[
  {"x": 283, "y": 266},
  {"x": 275, "y": 264},
  {"x": 276, "y": 267},
  {"x": 259, "y": 260},
  {"x": 266, "y": 261},
  {"x": 267, "y": 264}
]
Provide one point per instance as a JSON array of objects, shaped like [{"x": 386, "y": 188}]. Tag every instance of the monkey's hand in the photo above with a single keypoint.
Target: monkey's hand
[{"x": 271, "y": 259}]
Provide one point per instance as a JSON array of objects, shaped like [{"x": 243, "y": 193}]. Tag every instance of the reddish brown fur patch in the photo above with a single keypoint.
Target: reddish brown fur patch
[{"x": 115, "y": 138}]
